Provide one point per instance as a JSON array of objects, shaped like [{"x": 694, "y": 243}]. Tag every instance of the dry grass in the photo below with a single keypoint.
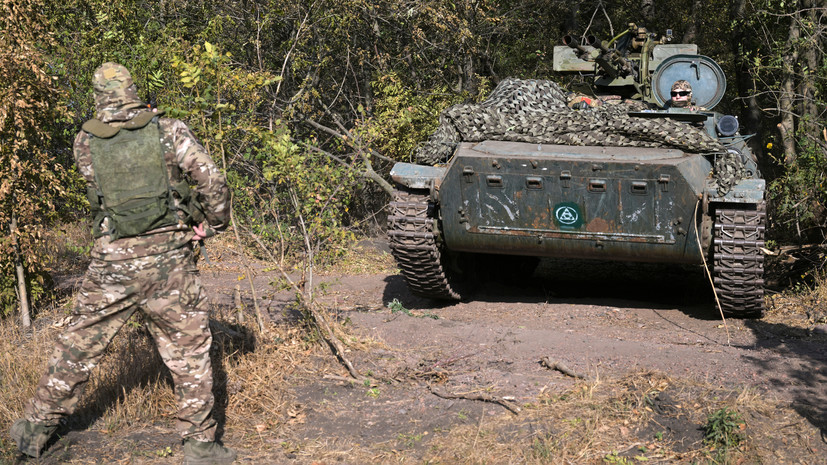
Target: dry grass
[
  {"x": 131, "y": 389},
  {"x": 589, "y": 423},
  {"x": 22, "y": 359},
  {"x": 362, "y": 260},
  {"x": 801, "y": 306},
  {"x": 645, "y": 417},
  {"x": 258, "y": 404},
  {"x": 600, "y": 421}
]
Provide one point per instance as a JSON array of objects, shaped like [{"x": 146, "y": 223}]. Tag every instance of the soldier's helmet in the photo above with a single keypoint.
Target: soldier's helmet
[
  {"x": 114, "y": 89},
  {"x": 681, "y": 94}
]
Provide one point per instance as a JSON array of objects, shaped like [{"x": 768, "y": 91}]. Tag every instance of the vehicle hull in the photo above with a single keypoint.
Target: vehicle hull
[{"x": 613, "y": 203}]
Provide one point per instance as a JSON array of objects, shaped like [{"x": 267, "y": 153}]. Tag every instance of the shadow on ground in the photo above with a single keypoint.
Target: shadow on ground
[
  {"x": 801, "y": 367},
  {"x": 637, "y": 285},
  {"x": 141, "y": 366}
]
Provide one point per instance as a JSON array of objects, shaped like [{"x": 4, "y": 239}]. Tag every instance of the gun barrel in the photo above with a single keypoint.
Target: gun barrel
[
  {"x": 612, "y": 56},
  {"x": 573, "y": 43}
]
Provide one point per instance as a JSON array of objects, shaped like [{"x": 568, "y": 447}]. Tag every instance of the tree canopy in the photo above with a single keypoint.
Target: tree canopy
[{"x": 308, "y": 103}]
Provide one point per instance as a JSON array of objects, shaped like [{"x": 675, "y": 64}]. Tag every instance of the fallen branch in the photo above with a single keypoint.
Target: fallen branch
[
  {"x": 324, "y": 328},
  {"x": 321, "y": 322},
  {"x": 559, "y": 366},
  {"x": 305, "y": 297},
  {"x": 331, "y": 338},
  {"x": 480, "y": 397},
  {"x": 239, "y": 306},
  {"x": 448, "y": 361},
  {"x": 249, "y": 272},
  {"x": 345, "y": 379}
]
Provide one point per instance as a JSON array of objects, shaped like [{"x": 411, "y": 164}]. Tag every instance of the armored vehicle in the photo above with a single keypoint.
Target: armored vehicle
[{"x": 625, "y": 176}]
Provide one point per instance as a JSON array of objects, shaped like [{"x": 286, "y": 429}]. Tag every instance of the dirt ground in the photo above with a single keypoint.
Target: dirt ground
[{"x": 600, "y": 321}]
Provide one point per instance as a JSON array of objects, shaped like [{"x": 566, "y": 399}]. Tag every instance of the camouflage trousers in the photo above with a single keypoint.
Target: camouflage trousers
[{"x": 167, "y": 289}]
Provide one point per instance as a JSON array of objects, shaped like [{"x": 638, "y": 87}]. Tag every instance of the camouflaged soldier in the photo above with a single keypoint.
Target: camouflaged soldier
[
  {"x": 681, "y": 94},
  {"x": 145, "y": 223}
]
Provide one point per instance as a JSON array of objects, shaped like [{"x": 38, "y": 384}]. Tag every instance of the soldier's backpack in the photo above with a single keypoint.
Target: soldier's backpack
[{"x": 133, "y": 189}]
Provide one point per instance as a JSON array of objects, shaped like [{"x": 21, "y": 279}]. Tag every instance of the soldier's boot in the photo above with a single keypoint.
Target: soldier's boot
[
  {"x": 30, "y": 437},
  {"x": 206, "y": 453}
]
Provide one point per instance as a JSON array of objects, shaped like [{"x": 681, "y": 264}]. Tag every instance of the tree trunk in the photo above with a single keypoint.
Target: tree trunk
[
  {"x": 22, "y": 293},
  {"x": 786, "y": 127},
  {"x": 469, "y": 68},
  {"x": 470, "y": 75},
  {"x": 743, "y": 45},
  {"x": 647, "y": 10},
  {"x": 690, "y": 36},
  {"x": 571, "y": 23},
  {"x": 810, "y": 59}
]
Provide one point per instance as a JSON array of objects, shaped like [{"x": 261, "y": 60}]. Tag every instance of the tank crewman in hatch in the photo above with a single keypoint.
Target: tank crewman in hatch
[
  {"x": 145, "y": 223},
  {"x": 681, "y": 95}
]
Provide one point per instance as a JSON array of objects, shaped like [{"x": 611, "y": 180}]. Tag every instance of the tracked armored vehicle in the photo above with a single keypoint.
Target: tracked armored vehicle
[{"x": 630, "y": 179}]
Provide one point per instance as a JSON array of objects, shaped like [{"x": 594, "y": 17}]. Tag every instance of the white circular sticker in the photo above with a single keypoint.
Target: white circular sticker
[{"x": 566, "y": 215}]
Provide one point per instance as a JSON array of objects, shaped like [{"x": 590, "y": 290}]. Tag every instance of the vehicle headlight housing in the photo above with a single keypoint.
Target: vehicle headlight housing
[{"x": 727, "y": 125}]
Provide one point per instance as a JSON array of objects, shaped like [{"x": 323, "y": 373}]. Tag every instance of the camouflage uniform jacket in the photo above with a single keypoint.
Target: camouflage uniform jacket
[{"x": 184, "y": 155}]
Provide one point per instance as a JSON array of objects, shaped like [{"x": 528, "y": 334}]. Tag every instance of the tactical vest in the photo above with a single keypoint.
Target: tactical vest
[{"x": 133, "y": 190}]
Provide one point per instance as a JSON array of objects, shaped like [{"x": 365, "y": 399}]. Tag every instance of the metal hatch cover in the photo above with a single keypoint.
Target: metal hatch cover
[{"x": 704, "y": 75}]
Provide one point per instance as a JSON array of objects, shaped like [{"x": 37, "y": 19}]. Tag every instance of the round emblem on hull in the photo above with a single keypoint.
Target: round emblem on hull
[{"x": 567, "y": 215}]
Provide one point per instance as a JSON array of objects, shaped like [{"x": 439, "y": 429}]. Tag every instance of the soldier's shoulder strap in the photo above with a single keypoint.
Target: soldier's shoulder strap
[
  {"x": 103, "y": 130},
  {"x": 100, "y": 129}
]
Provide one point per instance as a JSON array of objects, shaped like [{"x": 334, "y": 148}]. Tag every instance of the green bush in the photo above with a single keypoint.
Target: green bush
[
  {"x": 799, "y": 196},
  {"x": 723, "y": 429}
]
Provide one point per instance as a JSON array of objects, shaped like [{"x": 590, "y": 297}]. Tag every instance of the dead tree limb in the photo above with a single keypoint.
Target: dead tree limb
[
  {"x": 239, "y": 306},
  {"x": 22, "y": 292},
  {"x": 365, "y": 381},
  {"x": 305, "y": 296},
  {"x": 331, "y": 339},
  {"x": 249, "y": 272},
  {"x": 559, "y": 366},
  {"x": 480, "y": 397},
  {"x": 365, "y": 154},
  {"x": 368, "y": 173}
]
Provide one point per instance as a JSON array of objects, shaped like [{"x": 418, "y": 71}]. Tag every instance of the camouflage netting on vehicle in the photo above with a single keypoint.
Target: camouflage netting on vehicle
[{"x": 535, "y": 111}]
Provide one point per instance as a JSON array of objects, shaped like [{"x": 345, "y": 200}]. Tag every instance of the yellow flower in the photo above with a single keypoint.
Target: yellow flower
[{"x": 769, "y": 145}]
